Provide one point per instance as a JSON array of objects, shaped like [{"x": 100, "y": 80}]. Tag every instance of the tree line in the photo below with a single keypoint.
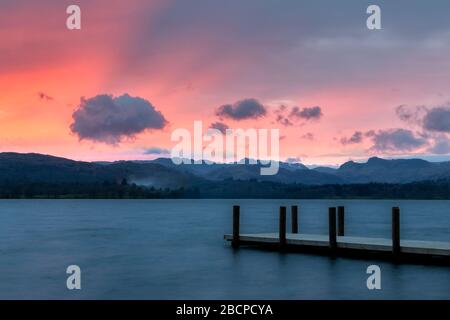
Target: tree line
[{"x": 227, "y": 189}]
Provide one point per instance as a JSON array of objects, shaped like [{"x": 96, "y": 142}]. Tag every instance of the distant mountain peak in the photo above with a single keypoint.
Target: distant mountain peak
[
  {"x": 376, "y": 160},
  {"x": 349, "y": 164}
]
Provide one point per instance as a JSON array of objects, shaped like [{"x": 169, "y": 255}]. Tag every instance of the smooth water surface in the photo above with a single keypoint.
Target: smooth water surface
[{"x": 174, "y": 249}]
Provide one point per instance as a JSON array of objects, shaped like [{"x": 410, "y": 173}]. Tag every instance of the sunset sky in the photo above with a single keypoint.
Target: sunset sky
[{"x": 336, "y": 90}]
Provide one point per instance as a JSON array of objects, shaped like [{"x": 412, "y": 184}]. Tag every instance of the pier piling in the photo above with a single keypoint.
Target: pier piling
[
  {"x": 332, "y": 228},
  {"x": 396, "y": 231},
  {"x": 360, "y": 247},
  {"x": 294, "y": 219},
  {"x": 236, "y": 214},
  {"x": 341, "y": 221},
  {"x": 282, "y": 232}
]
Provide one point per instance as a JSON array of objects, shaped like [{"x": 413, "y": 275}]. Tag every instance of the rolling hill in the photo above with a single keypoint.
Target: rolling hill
[{"x": 17, "y": 168}]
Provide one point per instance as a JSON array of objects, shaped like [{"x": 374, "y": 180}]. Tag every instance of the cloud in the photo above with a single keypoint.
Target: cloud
[
  {"x": 393, "y": 140},
  {"x": 222, "y": 127},
  {"x": 307, "y": 136},
  {"x": 109, "y": 119},
  {"x": 437, "y": 120},
  {"x": 241, "y": 110},
  {"x": 283, "y": 120},
  {"x": 357, "y": 137},
  {"x": 280, "y": 116},
  {"x": 441, "y": 146},
  {"x": 156, "y": 150},
  {"x": 411, "y": 115},
  {"x": 312, "y": 113},
  {"x": 404, "y": 113},
  {"x": 289, "y": 118},
  {"x": 44, "y": 96}
]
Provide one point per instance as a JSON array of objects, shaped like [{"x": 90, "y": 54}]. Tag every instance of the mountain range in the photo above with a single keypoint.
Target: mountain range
[{"x": 18, "y": 168}]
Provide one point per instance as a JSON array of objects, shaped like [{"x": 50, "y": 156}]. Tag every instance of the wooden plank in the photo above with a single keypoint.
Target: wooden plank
[
  {"x": 425, "y": 247},
  {"x": 355, "y": 243}
]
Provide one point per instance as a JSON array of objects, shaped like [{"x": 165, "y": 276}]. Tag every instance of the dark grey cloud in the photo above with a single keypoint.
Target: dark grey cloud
[
  {"x": 432, "y": 132},
  {"x": 396, "y": 140},
  {"x": 156, "y": 150},
  {"x": 241, "y": 110},
  {"x": 437, "y": 120},
  {"x": 222, "y": 127},
  {"x": 404, "y": 113},
  {"x": 283, "y": 120},
  {"x": 308, "y": 136},
  {"x": 441, "y": 146},
  {"x": 287, "y": 117},
  {"x": 309, "y": 113},
  {"x": 109, "y": 119},
  {"x": 411, "y": 115},
  {"x": 356, "y": 138},
  {"x": 44, "y": 96},
  {"x": 281, "y": 117},
  {"x": 434, "y": 124}
]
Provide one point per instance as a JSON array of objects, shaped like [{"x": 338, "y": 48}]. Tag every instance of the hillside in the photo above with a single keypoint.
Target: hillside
[{"x": 37, "y": 175}]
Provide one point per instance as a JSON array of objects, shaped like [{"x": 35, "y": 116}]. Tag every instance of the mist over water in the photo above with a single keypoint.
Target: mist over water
[{"x": 174, "y": 249}]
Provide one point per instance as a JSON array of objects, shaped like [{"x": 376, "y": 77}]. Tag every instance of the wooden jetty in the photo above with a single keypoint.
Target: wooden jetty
[{"x": 337, "y": 243}]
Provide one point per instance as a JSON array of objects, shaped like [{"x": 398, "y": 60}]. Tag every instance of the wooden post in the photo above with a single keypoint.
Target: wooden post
[
  {"x": 395, "y": 230},
  {"x": 282, "y": 234},
  {"x": 294, "y": 219},
  {"x": 332, "y": 227},
  {"x": 341, "y": 221},
  {"x": 236, "y": 214}
]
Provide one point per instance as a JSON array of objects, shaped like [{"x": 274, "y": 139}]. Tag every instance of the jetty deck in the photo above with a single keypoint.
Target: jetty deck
[
  {"x": 416, "y": 247},
  {"x": 336, "y": 242}
]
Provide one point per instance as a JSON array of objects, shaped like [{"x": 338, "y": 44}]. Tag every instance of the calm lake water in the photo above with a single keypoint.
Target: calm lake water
[{"x": 174, "y": 249}]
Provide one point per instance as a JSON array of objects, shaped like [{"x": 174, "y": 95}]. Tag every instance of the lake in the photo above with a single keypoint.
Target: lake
[{"x": 174, "y": 249}]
